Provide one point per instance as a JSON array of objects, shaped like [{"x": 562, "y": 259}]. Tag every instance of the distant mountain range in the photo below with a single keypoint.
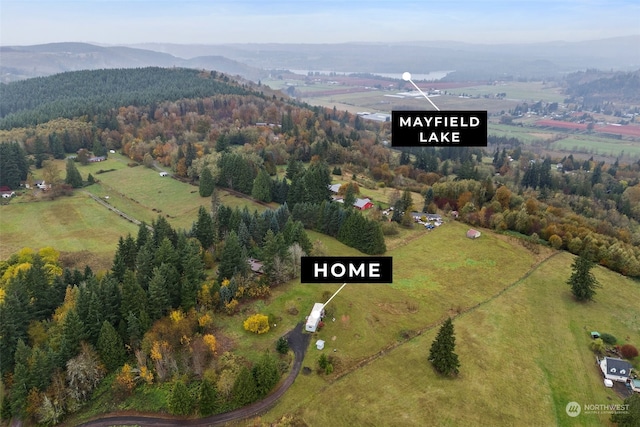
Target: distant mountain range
[
  {"x": 22, "y": 62},
  {"x": 470, "y": 61}
]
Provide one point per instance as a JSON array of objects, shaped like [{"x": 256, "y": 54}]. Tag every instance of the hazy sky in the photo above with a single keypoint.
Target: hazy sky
[{"x": 314, "y": 21}]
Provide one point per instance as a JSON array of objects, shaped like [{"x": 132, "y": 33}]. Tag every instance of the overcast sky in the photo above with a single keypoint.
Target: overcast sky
[{"x": 24, "y": 22}]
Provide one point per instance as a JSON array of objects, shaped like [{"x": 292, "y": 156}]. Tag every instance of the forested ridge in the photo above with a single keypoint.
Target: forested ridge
[
  {"x": 73, "y": 94},
  {"x": 597, "y": 88}
]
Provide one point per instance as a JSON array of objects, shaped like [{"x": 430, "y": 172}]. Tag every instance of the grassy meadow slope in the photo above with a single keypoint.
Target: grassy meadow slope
[
  {"x": 78, "y": 223},
  {"x": 524, "y": 351}
]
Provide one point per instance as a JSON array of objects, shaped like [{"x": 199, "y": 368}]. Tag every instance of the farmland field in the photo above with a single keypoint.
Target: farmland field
[
  {"x": 79, "y": 223},
  {"x": 595, "y": 145},
  {"x": 524, "y": 353},
  {"x": 70, "y": 224}
]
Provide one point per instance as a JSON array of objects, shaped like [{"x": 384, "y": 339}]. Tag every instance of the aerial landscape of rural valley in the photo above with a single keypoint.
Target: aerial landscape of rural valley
[{"x": 162, "y": 198}]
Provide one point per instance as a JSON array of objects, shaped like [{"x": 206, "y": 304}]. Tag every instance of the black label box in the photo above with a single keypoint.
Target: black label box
[
  {"x": 346, "y": 270},
  {"x": 438, "y": 128}
]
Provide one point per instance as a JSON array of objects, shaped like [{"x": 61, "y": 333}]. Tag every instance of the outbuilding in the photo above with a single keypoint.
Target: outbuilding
[{"x": 473, "y": 234}]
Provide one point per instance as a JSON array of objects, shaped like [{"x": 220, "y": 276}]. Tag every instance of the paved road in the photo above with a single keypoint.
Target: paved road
[{"x": 298, "y": 342}]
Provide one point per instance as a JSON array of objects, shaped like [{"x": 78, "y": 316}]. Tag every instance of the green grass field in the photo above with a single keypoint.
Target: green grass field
[
  {"x": 524, "y": 353},
  {"x": 602, "y": 146},
  {"x": 520, "y": 91},
  {"x": 69, "y": 224},
  {"x": 79, "y": 223}
]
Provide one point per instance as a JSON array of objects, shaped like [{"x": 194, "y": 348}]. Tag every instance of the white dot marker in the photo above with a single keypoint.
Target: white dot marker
[{"x": 406, "y": 76}]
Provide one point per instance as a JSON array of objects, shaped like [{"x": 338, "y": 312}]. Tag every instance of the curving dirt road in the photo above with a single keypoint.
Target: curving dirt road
[{"x": 298, "y": 342}]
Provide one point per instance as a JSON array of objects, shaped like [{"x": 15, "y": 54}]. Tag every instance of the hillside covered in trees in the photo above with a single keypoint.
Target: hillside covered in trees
[{"x": 68, "y": 95}]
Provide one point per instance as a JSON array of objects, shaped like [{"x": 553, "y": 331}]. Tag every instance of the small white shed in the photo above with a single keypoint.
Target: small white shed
[{"x": 320, "y": 344}]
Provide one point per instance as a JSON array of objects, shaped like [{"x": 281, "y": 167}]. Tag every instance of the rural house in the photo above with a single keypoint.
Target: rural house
[
  {"x": 39, "y": 184},
  {"x": 615, "y": 369},
  {"x": 334, "y": 188},
  {"x": 255, "y": 265},
  {"x": 317, "y": 313},
  {"x": 363, "y": 204},
  {"x": 473, "y": 234}
]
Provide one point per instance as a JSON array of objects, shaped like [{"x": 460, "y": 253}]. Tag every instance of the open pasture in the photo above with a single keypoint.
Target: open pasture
[
  {"x": 516, "y": 91},
  {"x": 598, "y": 145},
  {"x": 79, "y": 223},
  {"x": 524, "y": 352},
  {"x": 69, "y": 224}
]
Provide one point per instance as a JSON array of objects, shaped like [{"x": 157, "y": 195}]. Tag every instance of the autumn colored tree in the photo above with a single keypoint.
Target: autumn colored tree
[
  {"x": 628, "y": 351},
  {"x": 257, "y": 323}
]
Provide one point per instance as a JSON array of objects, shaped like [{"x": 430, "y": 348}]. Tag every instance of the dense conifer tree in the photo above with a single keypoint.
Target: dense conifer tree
[
  {"x": 180, "y": 401},
  {"x": 244, "y": 389},
  {"x": 206, "y": 183},
  {"x": 262, "y": 187},
  {"x": 203, "y": 229},
  {"x": 582, "y": 281},
  {"x": 266, "y": 374},
  {"x": 73, "y": 177},
  {"x": 442, "y": 355},
  {"x": 207, "y": 401},
  {"x": 158, "y": 298},
  {"x": 110, "y": 347},
  {"x": 231, "y": 258}
]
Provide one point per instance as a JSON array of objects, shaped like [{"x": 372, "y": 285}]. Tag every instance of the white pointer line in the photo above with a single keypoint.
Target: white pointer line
[{"x": 406, "y": 76}]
